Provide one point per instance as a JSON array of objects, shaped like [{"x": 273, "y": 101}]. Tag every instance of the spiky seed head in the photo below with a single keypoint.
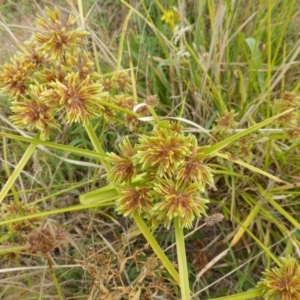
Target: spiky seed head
[
  {"x": 134, "y": 199},
  {"x": 57, "y": 37},
  {"x": 178, "y": 200},
  {"x": 76, "y": 100},
  {"x": 282, "y": 282},
  {"x": 15, "y": 77},
  {"x": 34, "y": 113}
]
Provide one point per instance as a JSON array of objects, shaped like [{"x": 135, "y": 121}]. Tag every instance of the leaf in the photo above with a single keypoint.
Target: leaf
[{"x": 253, "y": 46}]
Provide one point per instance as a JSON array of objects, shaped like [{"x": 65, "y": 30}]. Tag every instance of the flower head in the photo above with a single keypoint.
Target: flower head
[
  {"x": 134, "y": 199},
  {"x": 122, "y": 81},
  {"x": 171, "y": 18},
  {"x": 123, "y": 170},
  {"x": 293, "y": 132},
  {"x": 56, "y": 37},
  {"x": 178, "y": 200},
  {"x": 152, "y": 100},
  {"x": 193, "y": 169},
  {"x": 31, "y": 55},
  {"x": 163, "y": 151},
  {"x": 15, "y": 77},
  {"x": 81, "y": 62},
  {"x": 46, "y": 239},
  {"x": 108, "y": 84},
  {"x": 227, "y": 120},
  {"x": 243, "y": 148},
  {"x": 124, "y": 101},
  {"x": 14, "y": 210},
  {"x": 287, "y": 101},
  {"x": 172, "y": 172},
  {"x": 77, "y": 100},
  {"x": 282, "y": 282},
  {"x": 34, "y": 113},
  {"x": 53, "y": 74},
  {"x": 290, "y": 100}
]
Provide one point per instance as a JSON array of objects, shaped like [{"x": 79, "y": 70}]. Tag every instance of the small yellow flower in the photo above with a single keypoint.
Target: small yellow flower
[{"x": 171, "y": 18}]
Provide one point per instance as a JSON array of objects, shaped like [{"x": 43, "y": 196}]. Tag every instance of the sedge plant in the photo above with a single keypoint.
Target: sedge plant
[
  {"x": 165, "y": 177},
  {"x": 51, "y": 83}
]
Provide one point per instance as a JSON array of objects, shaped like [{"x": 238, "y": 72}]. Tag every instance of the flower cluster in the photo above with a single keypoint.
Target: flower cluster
[
  {"x": 282, "y": 282},
  {"x": 291, "y": 121},
  {"x": 13, "y": 211},
  {"x": 57, "y": 38},
  {"x": 49, "y": 83},
  {"x": 45, "y": 239},
  {"x": 224, "y": 128},
  {"x": 120, "y": 94},
  {"x": 52, "y": 81},
  {"x": 173, "y": 172}
]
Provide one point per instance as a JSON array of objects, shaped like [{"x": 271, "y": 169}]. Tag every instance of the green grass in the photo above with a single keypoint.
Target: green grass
[{"x": 220, "y": 58}]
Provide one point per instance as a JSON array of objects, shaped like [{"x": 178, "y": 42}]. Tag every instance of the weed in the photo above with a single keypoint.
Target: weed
[{"x": 152, "y": 120}]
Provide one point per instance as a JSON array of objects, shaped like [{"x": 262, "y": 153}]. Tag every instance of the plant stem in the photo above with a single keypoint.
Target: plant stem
[
  {"x": 55, "y": 281},
  {"x": 138, "y": 220},
  {"x": 242, "y": 296},
  {"x": 182, "y": 263},
  {"x": 155, "y": 247},
  {"x": 20, "y": 166},
  {"x": 97, "y": 145}
]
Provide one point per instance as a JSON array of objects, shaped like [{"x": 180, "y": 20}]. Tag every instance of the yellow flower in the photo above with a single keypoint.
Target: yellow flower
[{"x": 171, "y": 18}]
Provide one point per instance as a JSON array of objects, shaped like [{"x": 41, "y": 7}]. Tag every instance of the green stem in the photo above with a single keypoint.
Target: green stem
[
  {"x": 80, "y": 8},
  {"x": 20, "y": 166},
  {"x": 153, "y": 113},
  {"x": 242, "y": 296},
  {"x": 155, "y": 247},
  {"x": 55, "y": 281},
  {"x": 182, "y": 263},
  {"x": 97, "y": 145},
  {"x": 15, "y": 249}
]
